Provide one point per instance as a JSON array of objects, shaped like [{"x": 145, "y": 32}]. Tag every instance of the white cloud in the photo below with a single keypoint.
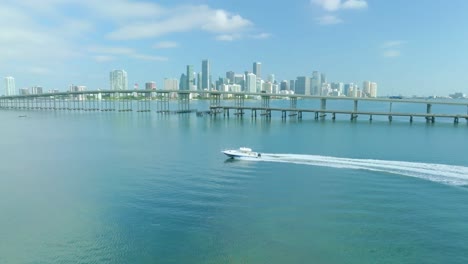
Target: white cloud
[
  {"x": 103, "y": 58},
  {"x": 166, "y": 45},
  {"x": 329, "y": 20},
  {"x": 329, "y": 5},
  {"x": 148, "y": 57},
  {"x": 226, "y": 37},
  {"x": 391, "y": 48},
  {"x": 182, "y": 19},
  {"x": 391, "y": 53},
  {"x": 110, "y": 53},
  {"x": 393, "y": 43},
  {"x": 262, "y": 36},
  {"x": 334, "y": 5},
  {"x": 354, "y": 4}
]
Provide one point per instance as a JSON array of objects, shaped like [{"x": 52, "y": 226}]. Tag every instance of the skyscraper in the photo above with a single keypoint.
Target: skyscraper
[
  {"x": 199, "y": 81},
  {"x": 10, "y": 86},
  {"x": 251, "y": 83},
  {"x": 183, "y": 82},
  {"x": 230, "y": 76},
  {"x": 316, "y": 84},
  {"x": 171, "y": 84},
  {"x": 284, "y": 85},
  {"x": 118, "y": 80},
  {"x": 150, "y": 86},
  {"x": 257, "y": 69},
  {"x": 302, "y": 85},
  {"x": 205, "y": 83},
  {"x": 292, "y": 85},
  {"x": 190, "y": 78}
]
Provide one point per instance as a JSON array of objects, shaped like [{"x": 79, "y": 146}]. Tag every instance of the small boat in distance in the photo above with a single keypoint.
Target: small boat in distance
[{"x": 241, "y": 153}]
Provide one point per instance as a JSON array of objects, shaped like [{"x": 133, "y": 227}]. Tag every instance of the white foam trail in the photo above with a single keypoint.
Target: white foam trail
[{"x": 447, "y": 174}]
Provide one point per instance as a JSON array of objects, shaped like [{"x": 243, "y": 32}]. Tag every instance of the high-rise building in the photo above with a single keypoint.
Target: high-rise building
[
  {"x": 150, "y": 86},
  {"x": 251, "y": 83},
  {"x": 271, "y": 78},
  {"x": 118, "y": 80},
  {"x": 284, "y": 85},
  {"x": 171, "y": 84},
  {"x": 373, "y": 90},
  {"x": 230, "y": 76},
  {"x": 323, "y": 78},
  {"x": 199, "y": 81},
  {"x": 240, "y": 80},
  {"x": 366, "y": 88},
  {"x": 183, "y": 82},
  {"x": 10, "y": 86},
  {"x": 257, "y": 69},
  {"x": 292, "y": 85},
  {"x": 36, "y": 90},
  {"x": 24, "y": 91},
  {"x": 302, "y": 85},
  {"x": 190, "y": 78},
  {"x": 316, "y": 83},
  {"x": 74, "y": 88},
  {"x": 205, "y": 82}
]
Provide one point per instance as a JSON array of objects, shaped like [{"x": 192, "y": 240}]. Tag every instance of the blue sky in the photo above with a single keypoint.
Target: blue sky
[{"x": 407, "y": 47}]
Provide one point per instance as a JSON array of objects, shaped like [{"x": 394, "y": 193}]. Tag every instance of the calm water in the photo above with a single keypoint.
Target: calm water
[{"x": 146, "y": 188}]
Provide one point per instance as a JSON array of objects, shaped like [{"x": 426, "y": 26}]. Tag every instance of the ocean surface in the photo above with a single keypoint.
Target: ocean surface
[{"x": 87, "y": 187}]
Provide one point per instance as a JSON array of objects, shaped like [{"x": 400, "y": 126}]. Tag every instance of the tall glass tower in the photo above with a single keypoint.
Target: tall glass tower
[
  {"x": 257, "y": 69},
  {"x": 205, "y": 83},
  {"x": 190, "y": 78}
]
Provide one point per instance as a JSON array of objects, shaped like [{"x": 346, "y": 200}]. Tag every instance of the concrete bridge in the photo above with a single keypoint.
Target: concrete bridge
[{"x": 140, "y": 101}]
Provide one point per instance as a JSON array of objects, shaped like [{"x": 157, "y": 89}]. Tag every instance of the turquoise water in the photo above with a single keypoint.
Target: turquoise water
[{"x": 149, "y": 188}]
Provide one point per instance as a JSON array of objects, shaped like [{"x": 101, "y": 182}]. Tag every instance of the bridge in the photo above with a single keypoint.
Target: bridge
[{"x": 140, "y": 101}]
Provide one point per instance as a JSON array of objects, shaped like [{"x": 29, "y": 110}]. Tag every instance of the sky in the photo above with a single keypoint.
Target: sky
[{"x": 409, "y": 47}]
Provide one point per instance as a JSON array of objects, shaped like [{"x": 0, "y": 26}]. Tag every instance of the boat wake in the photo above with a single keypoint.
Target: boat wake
[{"x": 447, "y": 174}]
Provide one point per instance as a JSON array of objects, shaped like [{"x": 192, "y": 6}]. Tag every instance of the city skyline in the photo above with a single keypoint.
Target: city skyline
[{"x": 58, "y": 43}]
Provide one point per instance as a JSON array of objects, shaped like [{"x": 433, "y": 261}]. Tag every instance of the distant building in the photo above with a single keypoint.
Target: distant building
[
  {"x": 302, "y": 85},
  {"x": 257, "y": 69},
  {"x": 10, "y": 89},
  {"x": 240, "y": 80},
  {"x": 78, "y": 88},
  {"x": 284, "y": 85},
  {"x": 199, "y": 81},
  {"x": 373, "y": 90},
  {"x": 171, "y": 84},
  {"x": 190, "y": 78},
  {"x": 150, "y": 85},
  {"x": 316, "y": 83},
  {"x": 118, "y": 80},
  {"x": 183, "y": 82},
  {"x": 230, "y": 76},
  {"x": 271, "y": 78},
  {"x": 251, "y": 83},
  {"x": 292, "y": 85},
  {"x": 205, "y": 78},
  {"x": 24, "y": 91},
  {"x": 36, "y": 90}
]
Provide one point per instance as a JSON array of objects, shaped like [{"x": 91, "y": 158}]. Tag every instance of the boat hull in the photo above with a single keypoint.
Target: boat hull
[{"x": 237, "y": 154}]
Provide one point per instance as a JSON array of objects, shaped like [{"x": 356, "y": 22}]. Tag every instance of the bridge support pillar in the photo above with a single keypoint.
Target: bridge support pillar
[
  {"x": 428, "y": 111},
  {"x": 266, "y": 105},
  {"x": 299, "y": 115},
  {"x": 239, "y": 100},
  {"x": 184, "y": 102},
  {"x": 293, "y": 105},
  {"x": 354, "y": 115},
  {"x": 390, "y": 118},
  {"x": 215, "y": 103},
  {"x": 370, "y": 118},
  {"x": 162, "y": 105},
  {"x": 411, "y": 119},
  {"x": 455, "y": 120},
  {"x": 333, "y": 116}
]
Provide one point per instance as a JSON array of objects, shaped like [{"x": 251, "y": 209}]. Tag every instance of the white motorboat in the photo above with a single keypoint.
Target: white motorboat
[{"x": 241, "y": 153}]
